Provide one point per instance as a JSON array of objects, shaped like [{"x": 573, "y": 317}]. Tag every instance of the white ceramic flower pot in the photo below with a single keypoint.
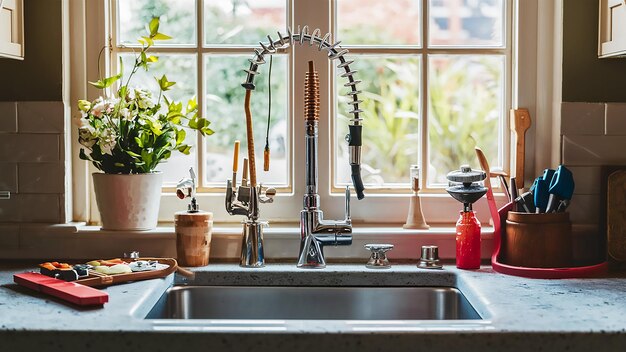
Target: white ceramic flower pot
[{"x": 128, "y": 202}]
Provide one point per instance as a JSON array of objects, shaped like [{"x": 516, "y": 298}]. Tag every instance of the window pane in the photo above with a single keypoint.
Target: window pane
[
  {"x": 178, "y": 20},
  {"x": 182, "y": 70},
  {"x": 224, "y": 105},
  {"x": 243, "y": 22},
  {"x": 466, "y": 98},
  {"x": 391, "y": 115},
  {"x": 466, "y": 22},
  {"x": 375, "y": 22}
]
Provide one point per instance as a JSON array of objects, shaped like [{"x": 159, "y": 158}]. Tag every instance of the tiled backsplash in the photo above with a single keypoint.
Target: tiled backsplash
[
  {"x": 32, "y": 165},
  {"x": 593, "y": 135}
]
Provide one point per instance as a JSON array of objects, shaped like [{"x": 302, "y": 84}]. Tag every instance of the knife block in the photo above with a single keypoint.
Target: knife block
[{"x": 538, "y": 240}]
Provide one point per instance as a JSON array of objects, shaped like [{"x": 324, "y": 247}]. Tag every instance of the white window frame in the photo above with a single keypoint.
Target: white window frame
[{"x": 532, "y": 54}]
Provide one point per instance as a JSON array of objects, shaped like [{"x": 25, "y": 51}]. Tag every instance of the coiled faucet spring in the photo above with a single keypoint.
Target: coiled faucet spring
[{"x": 335, "y": 52}]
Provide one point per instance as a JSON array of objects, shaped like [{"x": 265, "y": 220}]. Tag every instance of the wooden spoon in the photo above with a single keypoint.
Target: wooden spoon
[{"x": 520, "y": 123}]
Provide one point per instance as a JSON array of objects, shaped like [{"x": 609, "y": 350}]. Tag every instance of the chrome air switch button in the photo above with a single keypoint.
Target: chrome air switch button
[
  {"x": 430, "y": 258},
  {"x": 378, "y": 260}
]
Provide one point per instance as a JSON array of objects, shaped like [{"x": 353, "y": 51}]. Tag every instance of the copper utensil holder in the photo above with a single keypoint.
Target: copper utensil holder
[{"x": 538, "y": 240}]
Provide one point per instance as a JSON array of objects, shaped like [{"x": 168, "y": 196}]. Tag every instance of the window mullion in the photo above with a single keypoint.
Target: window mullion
[
  {"x": 423, "y": 133},
  {"x": 200, "y": 142}
]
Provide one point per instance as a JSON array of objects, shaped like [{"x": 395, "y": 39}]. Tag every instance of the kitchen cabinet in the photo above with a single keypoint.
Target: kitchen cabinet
[
  {"x": 612, "y": 29},
  {"x": 12, "y": 29}
]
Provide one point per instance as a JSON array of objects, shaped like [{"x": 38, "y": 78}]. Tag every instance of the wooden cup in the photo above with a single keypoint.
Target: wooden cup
[
  {"x": 193, "y": 237},
  {"x": 538, "y": 240}
]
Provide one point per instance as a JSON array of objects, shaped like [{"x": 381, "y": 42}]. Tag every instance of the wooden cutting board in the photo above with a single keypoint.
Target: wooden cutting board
[{"x": 98, "y": 280}]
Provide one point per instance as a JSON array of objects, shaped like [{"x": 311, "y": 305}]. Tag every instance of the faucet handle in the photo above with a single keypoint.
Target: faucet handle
[{"x": 266, "y": 194}]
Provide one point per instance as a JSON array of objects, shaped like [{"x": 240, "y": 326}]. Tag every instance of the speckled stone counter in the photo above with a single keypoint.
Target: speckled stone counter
[{"x": 518, "y": 314}]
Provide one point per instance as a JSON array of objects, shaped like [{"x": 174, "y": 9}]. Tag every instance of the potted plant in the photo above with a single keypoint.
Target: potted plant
[{"x": 127, "y": 133}]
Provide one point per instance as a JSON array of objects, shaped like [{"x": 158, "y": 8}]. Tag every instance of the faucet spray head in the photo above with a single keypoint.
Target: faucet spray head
[
  {"x": 312, "y": 94},
  {"x": 187, "y": 188}
]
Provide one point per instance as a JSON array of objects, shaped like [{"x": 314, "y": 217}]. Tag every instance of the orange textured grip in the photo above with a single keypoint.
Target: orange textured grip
[
  {"x": 266, "y": 160},
  {"x": 311, "y": 94},
  {"x": 236, "y": 156},
  {"x": 250, "y": 136}
]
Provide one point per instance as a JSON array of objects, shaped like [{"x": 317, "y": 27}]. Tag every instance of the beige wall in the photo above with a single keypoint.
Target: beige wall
[
  {"x": 593, "y": 119},
  {"x": 39, "y": 76},
  {"x": 32, "y": 123},
  {"x": 585, "y": 77}
]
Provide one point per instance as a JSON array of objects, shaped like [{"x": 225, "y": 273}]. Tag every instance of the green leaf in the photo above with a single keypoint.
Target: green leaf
[
  {"x": 206, "y": 131},
  {"x": 133, "y": 154},
  {"x": 148, "y": 40},
  {"x": 164, "y": 84},
  {"x": 184, "y": 148},
  {"x": 139, "y": 142},
  {"x": 180, "y": 136},
  {"x": 155, "y": 127},
  {"x": 120, "y": 70},
  {"x": 176, "y": 107},
  {"x": 122, "y": 92},
  {"x": 193, "y": 124},
  {"x": 161, "y": 36},
  {"x": 174, "y": 117},
  {"x": 146, "y": 157},
  {"x": 83, "y": 156},
  {"x": 108, "y": 81},
  {"x": 154, "y": 26},
  {"x": 192, "y": 105},
  {"x": 119, "y": 164},
  {"x": 152, "y": 58},
  {"x": 105, "y": 82}
]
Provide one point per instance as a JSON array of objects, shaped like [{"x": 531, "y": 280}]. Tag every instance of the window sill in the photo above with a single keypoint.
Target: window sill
[{"x": 79, "y": 241}]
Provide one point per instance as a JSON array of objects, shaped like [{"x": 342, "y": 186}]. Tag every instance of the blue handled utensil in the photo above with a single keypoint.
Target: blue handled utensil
[
  {"x": 534, "y": 185},
  {"x": 548, "y": 174},
  {"x": 541, "y": 195},
  {"x": 561, "y": 187}
]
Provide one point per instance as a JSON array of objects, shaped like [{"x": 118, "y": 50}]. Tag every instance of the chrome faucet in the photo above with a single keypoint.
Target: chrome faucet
[{"x": 315, "y": 232}]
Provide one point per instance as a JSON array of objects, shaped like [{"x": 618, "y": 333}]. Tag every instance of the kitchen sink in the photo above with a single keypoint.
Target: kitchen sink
[{"x": 252, "y": 303}]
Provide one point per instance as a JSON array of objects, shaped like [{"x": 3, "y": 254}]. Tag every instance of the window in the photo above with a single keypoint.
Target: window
[
  {"x": 438, "y": 79},
  {"x": 211, "y": 44}
]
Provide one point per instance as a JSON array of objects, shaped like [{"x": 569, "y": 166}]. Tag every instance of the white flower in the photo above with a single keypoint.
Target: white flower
[
  {"x": 84, "y": 123},
  {"x": 87, "y": 134},
  {"x": 107, "y": 141},
  {"x": 103, "y": 106},
  {"x": 144, "y": 99},
  {"x": 130, "y": 95},
  {"x": 125, "y": 113},
  {"x": 98, "y": 107}
]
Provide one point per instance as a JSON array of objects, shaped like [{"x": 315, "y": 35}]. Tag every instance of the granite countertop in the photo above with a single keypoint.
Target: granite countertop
[{"x": 518, "y": 313}]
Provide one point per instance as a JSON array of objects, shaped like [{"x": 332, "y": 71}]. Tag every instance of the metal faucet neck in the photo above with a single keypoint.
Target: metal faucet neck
[{"x": 311, "y": 174}]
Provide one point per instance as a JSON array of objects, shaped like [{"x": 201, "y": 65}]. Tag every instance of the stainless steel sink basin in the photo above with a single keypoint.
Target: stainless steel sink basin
[{"x": 313, "y": 303}]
